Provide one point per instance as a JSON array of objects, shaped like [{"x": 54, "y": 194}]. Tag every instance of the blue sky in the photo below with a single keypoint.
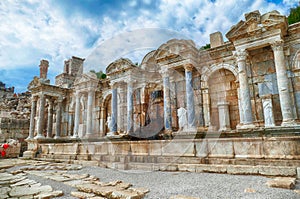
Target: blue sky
[{"x": 104, "y": 30}]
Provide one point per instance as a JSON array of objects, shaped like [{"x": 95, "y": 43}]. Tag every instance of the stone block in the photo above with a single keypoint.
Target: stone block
[
  {"x": 242, "y": 169},
  {"x": 187, "y": 167},
  {"x": 201, "y": 148},
  {"x": 216, "y": 39},
  {"x": 248, "y": 147},
  {"x": 298, "y": 172},
  {"x": 119, "y": 148},
  {"x": 277, "y": 171},
  {"x": 101, "y": 148},
  {"x": 282, "y": 147},
  {"x": 211, "y": 168},
  {"x": 222, "y": 148},
  {"x": 139, "y": 147},
  {"x": 285, "y": 183},
  {"x": 178, "y": 148}
]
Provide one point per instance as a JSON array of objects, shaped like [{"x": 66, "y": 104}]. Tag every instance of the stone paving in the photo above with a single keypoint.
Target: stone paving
[{"x": 16, "y": 182}]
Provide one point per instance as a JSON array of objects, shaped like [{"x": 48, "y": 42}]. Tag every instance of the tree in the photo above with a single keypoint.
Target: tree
[
  {"x": 100, "y": 74},
  {"x": 294, "y": 16}
]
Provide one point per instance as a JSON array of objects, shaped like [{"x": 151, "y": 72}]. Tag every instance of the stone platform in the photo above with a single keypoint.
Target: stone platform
[{"x": 271, "y": 156}]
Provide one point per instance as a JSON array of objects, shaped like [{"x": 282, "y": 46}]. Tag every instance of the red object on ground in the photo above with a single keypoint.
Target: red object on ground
[
  {"x": 3, "y": 153},
  {"x": 5, "y": 146}
]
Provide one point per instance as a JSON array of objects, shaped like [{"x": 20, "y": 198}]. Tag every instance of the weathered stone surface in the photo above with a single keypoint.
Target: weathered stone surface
[
  {"x": 49, "y": 195},
  {"x": 73, "y": 183},
  {"x": 242, "y": 169},
  {"x": 27, "y": 191},
  {"x": 282, "y": 182},
  {"x": 277, "y": 171},
  {"x": 140, "y": 190},
  {"x": 82, "y": 195}
]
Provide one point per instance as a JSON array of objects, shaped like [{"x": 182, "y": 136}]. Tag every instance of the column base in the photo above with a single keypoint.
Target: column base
[
  {"x": 245, "y": 126},
  {"x": 29, "y": 154},
  {"x": 56, "y": 137},
  {"x": 289, "y": 123},
  {"x": 39, "y": 137},
  {"x": 224, "y": 129}
]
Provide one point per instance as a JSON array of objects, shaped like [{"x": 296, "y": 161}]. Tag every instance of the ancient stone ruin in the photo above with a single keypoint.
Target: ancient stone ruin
[{"x": 236, "y": 103}]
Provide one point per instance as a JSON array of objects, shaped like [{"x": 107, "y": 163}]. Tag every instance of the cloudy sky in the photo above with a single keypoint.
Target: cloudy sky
[{"x": 104, "y": 30}]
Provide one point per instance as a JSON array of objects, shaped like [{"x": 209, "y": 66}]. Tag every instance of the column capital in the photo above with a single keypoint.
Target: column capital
[
  {"x": 34, "y": 98},
  {"x": 188, "y": 67},
  {"x": 113, "y": 85},
  {"x": 277, "y": 45},
  {"x": 241, "y": 55},
  {"x": 164, "y": 71}
]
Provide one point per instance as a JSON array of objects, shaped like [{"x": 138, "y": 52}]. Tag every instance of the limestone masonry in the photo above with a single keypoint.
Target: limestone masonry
[{"x": 245, "y": 91}]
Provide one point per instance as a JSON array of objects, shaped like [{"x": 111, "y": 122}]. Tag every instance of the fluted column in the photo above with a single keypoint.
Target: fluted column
[
  {"x": 90, "y": 104},
  {"x": 129, "y": 107},
  {"x": 283, "y": 84},
  {"x": 58, "y": 118},
  {"x": 167, "y": 101},
  {"x": 245, "y": 98},
  {"x": 114, "y": 109},
  {"x": 41, "y": 117},
  {"x": 77, "y": 115},
  {"x": 32, "y": 116},
  {"x": 50, "y": 118},
  {"x": 190, "y": 96},
  {"x": 102, "y": 121}
]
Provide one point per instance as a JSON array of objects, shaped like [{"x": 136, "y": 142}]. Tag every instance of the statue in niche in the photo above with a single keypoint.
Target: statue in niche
[
  {"x": 182, "y": 118},
  {"x": 110, "y": 124},
  {"x": 268, "y": 113}
]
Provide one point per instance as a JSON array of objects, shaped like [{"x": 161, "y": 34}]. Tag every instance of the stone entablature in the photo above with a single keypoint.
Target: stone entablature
[{"x": 252, "y": 81}]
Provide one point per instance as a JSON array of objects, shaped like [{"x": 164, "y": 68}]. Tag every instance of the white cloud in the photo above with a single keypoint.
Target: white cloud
[{"x": 291, "y": 3}]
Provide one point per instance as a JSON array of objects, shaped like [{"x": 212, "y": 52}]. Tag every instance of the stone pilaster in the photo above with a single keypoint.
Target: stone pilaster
[
  {"x": 114, "y": 109},
  {"x": 77, "y": 115},
  {"x": 50, "y": 118},
  {"x": 58, "y": 118},
  {"x": 32, "y": 116},
  {"x": 41, "y": 117},
  {"x": 268, "y": 111},
  {"x": 167, "y": 101},
  {"x": 190, "y": 96},
  {"x": 90, "y": 106},
  {"x": 129, "y": 107},
  {"x": 245, "y": 98},
  {"x": 224, "y": 118},
  {"x": 283, "y": 84}
]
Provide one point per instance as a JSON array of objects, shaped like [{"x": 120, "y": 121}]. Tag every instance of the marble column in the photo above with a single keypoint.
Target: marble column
[
  {"x": 268, "y": 111},
  {"x": 102, "y": 121},
  {"x": 90, "y": 105},
  {"x": 245, "y": 97},
  {"x": 41, "y": 117},
  {"x": 32, "y": 116},
  {"x": 224, "y": 118},
  {"x": 283, "y": 84},
  {"x": 58, "y": 118},
  {"x": 129, "y": 107},
  {"x": 50, "y": 118},
  {"x": 190, "y": 96},
  {"x": 114, "y": 109},
  {"x": 167, "y": 101},
  {"x": 70, "y": 123},
  {"x": 206, "y": 107},
  {"x": 77, "y": 115}
]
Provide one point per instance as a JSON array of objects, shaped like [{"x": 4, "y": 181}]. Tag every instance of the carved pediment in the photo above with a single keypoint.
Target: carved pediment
[
  {"x": 119, "y": 65},
  {"x": 34, "y": 83},
  {"x": 175, "y": 49},
  {"x": 87, "y": 77},
  {"x": 256, "y": 23}
]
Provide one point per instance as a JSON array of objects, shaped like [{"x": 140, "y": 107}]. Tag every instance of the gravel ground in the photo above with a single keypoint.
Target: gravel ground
[{"x": 166, "y": 184}]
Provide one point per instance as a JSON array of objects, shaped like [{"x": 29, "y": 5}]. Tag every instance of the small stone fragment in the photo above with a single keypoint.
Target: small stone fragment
[
  {"x": 83, "y": 195},
  {"x": 282, "y": 182},
  {"x": 249, "y": 190}
]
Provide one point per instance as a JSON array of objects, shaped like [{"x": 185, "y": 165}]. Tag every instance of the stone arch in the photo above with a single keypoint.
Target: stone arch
[
  {"x": 149, "y": 63},
  {"x": 296, "y": 61},
  {"x": 206, "y": 72},
  {"x": 222, "y": 90}
]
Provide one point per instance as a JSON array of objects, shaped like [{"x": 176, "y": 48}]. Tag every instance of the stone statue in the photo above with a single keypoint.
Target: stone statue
[
  {"x": 109, "y": 125},
  {"x": 182, "y": 118}
]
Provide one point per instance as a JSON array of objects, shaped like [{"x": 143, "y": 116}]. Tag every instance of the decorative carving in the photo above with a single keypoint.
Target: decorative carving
[
  {"x": 241, "y": 55},
  {"x": 188, "y": 67},
  {"x": 277, "y": 45}
]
